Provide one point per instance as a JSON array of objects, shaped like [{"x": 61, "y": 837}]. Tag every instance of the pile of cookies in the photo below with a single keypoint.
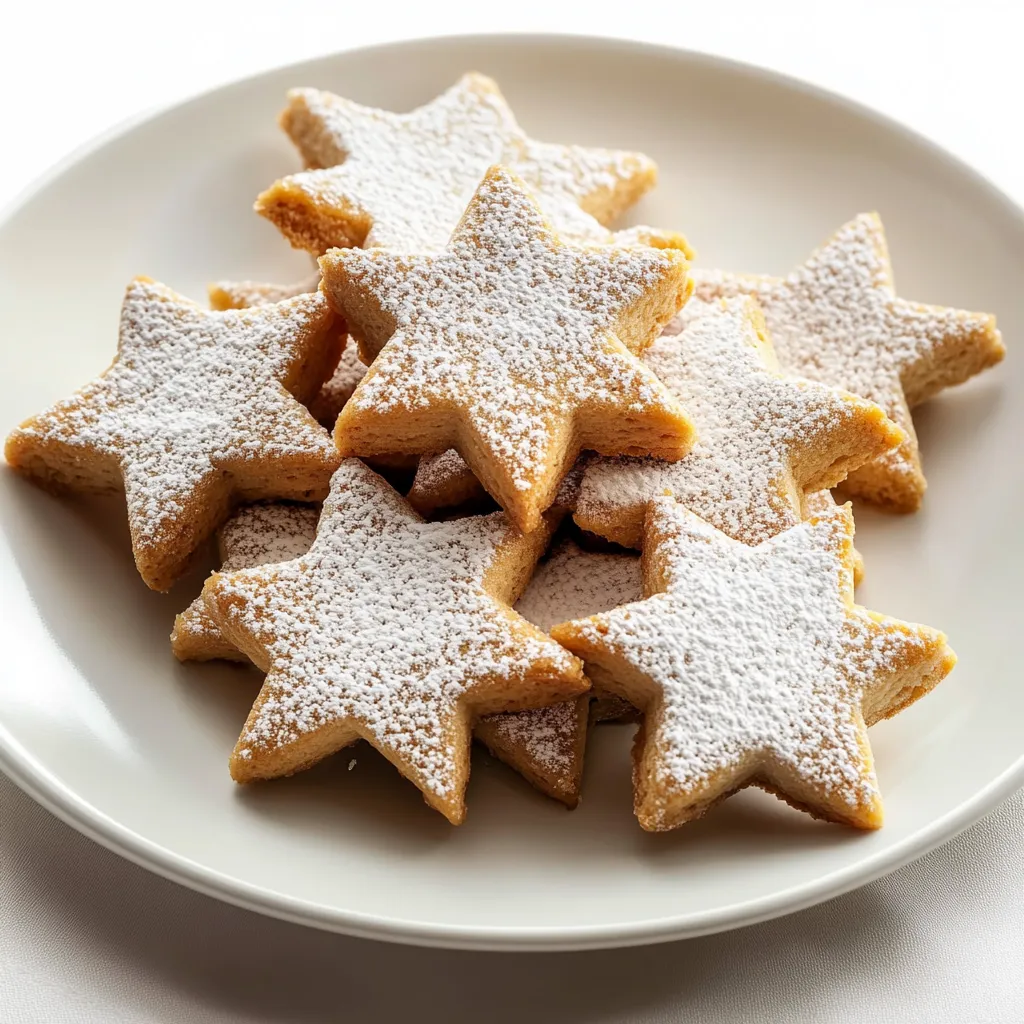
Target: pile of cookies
[{"x": 553, "y": 397}]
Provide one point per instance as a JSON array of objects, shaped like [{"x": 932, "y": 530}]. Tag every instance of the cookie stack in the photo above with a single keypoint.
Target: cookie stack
[{"x": 554, "y": 397}]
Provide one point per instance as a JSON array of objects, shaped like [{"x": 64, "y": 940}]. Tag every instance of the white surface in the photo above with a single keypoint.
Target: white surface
[{"x": 937, "y": 984}]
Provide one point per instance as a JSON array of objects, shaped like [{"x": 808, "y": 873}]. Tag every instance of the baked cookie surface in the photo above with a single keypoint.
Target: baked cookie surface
[
  {"x": 402, "y": 180},
  {"x": 198, "y": 409},
  {"x": 510, "y": 346},
  {"x": 837, "y": 319},
  {"x": 762, "y": 438},
  {"x": 752, "y": 665},
  {"x": 547, "y": 745},
  {"x": 254, "y": 535},
  {"x": 391, "y": 630}
]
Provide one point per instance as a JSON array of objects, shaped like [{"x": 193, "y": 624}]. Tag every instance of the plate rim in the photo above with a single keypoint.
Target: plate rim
[{"x": 18, "y": 764}]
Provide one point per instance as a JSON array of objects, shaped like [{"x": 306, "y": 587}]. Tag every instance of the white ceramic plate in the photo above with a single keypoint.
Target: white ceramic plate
[{"x": 101, "y": 725}]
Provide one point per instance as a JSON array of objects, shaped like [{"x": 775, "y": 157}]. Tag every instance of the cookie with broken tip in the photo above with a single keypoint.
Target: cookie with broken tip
[
  {"x": 753, "y": 666},
  {"x": 763, "y": 438},
  {"x": 254, "y": 535},
  {"x": 401, "y": 181},
  {"x": 547, "y": 745},
  {"x": 837, "y": 319},
  {"x": 199, "y": 410},
  {"x": 392, "y": 630},
  {"x": 510, "y": 346}
]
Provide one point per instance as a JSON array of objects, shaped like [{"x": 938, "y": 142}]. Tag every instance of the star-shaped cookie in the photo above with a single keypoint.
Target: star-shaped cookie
[
  {"x": 510, "y": 346},
  {"x": 837, "y": 319},
  {"x": 753, "y": 666},
  {"x": 546, "y": 745},
  {"x": 254, "y": 535},
  {"x": 401, "y": 181},
  {"x": 198, "y": 409},
  {"x": 762, "y": 438},
  {"x": 393, "y": 630}
]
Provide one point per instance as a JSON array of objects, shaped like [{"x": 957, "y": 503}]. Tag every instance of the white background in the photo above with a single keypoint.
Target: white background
[{"x": 87, "y": 937}]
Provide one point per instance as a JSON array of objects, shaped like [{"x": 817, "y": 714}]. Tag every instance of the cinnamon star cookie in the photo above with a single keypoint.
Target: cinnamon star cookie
[
  {"x": 511, "y": 347},
  {"x": 837, "y": 319},
  {"x": 753, "y": 666},
  {"x": 762, "y": 438},
  {"x": 392, "y": 630},
  {"x": 197, "y": 410},
  {"x": 402, "y": 181},
  {"x": 330, "y": 399}
]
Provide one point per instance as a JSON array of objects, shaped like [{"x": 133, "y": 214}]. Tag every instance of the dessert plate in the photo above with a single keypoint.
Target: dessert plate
[{"x": 102, "y": 726}]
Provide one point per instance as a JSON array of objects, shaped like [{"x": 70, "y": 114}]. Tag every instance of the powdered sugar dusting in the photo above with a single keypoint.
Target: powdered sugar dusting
[
  {"x": 574, "y": 583},
  {"x": 410, "y": 175},
  {"x": 191, "y": 389},
  {"x": 443, "y": 480},
  {"x": 254, "y": 535},
  {"x": 571, "y": 584},
  {"x": 750, "y": 421},
  {"x": 508, "y": 325},
  {"x": 331, "y": 398},
  {"x": 548, "y": 738},
  {"x": 386, "y": 622},
  {"x": 755, "y": 652},
  {"x": 836, "y": 319},
  {"x": 263, "y": 534}
]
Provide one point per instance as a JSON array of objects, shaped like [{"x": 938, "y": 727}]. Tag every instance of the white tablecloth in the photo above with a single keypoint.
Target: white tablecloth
[{"x": 87, "y": 937}]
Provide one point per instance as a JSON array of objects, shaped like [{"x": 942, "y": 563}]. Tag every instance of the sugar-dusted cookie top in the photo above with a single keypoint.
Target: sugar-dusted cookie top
[
  {"x": 254, "y": 535},
  {"x": 402, "y": 181},
  {"x": 762, "y": 438},
  {"x": 330, "y": 399},
  {"x": 389, "y": 629},
  {"x": 837, "y": 319},
  {"x": 197, "y": 407},
  {"x": 573, "y": 583},
  {"x": 510, "y": 346},
  {"x": 547, "y": 744},
  {"x": 753, "y": 665}
]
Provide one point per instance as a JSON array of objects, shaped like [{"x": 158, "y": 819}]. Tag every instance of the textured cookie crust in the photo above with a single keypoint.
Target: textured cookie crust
[
  {"x": 254, "y": 535},
  {"x": 762, "y": 438},
  {"x": 753, "y": 665},
  {"x": 401, "y": 181},
  {"x": 837, "y": 319},
  {"x": 199, "y": 410},
  {"x": 391, "y": 630},
  {"x": 511, "y": 347},
  {"x": 547, "y": 745}
]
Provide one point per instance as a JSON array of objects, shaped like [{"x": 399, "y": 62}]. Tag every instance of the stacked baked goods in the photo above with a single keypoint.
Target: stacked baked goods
[{"x": 498, "y": 471}]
